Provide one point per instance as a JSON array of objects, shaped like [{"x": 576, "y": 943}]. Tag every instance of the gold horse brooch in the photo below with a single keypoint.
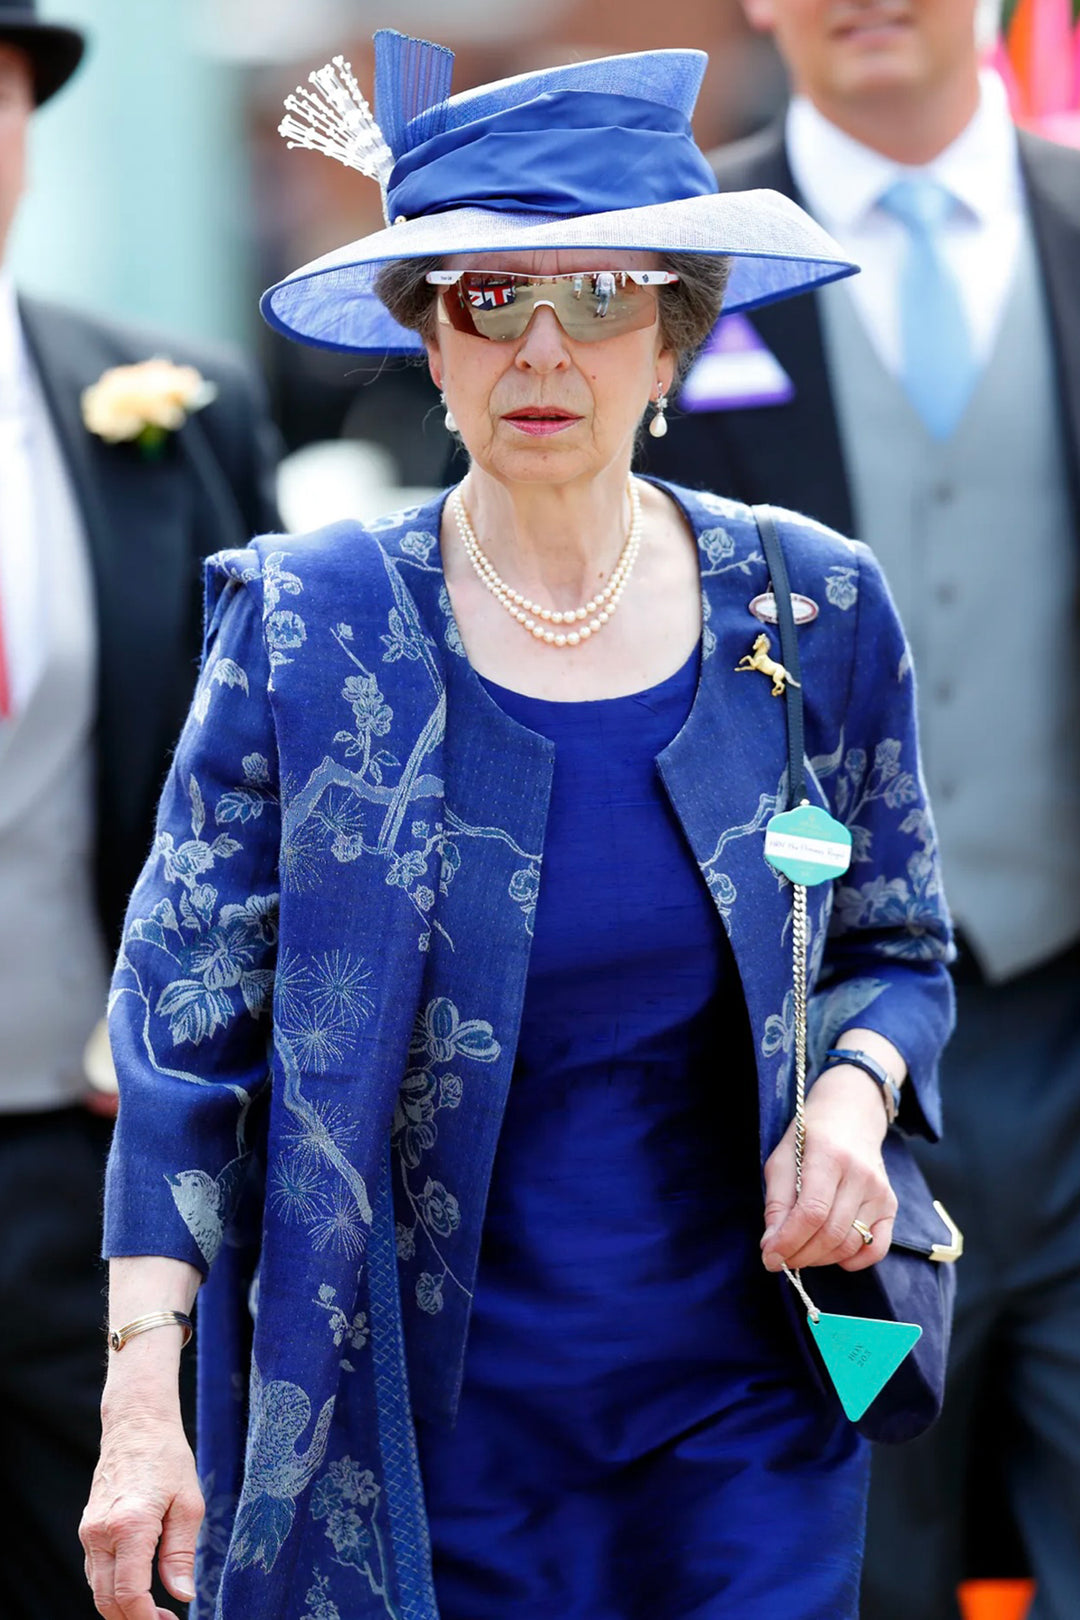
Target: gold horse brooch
[{"x": 761, "y": 659}]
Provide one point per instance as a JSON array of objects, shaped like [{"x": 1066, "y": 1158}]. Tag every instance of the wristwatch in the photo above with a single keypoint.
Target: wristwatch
[{"x": 890, "y": 1091}]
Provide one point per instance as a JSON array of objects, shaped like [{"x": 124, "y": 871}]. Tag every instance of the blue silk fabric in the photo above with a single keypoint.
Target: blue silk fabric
[
  {"x": 636, "y": 1423},
  {"x": 317, "y": 1012},
  {"x": 568, "y": 152}
]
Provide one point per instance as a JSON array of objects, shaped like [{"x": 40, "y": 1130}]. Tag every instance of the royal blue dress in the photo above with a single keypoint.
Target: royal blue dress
[{"x": 638, "y": 1438}]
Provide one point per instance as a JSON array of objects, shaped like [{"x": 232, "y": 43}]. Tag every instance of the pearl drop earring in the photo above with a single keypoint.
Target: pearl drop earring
[
  {"x": 658, "y": 425},
  {"x": 449, "y": 422}
]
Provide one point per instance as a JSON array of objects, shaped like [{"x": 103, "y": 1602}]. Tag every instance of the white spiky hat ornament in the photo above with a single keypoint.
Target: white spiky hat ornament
[
  {"x": 333, "y": 117},
  {"x": 591, "y": 155}
]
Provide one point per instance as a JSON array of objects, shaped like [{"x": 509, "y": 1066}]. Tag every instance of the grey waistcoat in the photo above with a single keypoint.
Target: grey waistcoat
[
  {"x": 976, "y": 536},
  {"x": 53, "y": 972}
]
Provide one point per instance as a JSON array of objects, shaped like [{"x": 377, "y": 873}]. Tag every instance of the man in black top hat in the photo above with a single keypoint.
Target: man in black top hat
[
  {"x": 105, "y": 515},
  {"x": 51, "y": 50}
]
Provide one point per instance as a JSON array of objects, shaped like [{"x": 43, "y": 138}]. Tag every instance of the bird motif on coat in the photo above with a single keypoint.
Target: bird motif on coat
[
  {"x": 205, "y": 1203},
  {"x": 276, "y": 1473}
]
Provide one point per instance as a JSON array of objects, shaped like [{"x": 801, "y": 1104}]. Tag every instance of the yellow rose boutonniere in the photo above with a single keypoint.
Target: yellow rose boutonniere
[{"x": 144, "y": 403}]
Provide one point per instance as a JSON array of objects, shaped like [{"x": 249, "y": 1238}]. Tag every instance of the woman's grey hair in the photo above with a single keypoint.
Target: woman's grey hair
[{"x": 688, "y": 308}]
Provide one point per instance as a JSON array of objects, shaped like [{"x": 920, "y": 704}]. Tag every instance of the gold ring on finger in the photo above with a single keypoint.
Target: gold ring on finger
[{"x": 864, "y": 1231}]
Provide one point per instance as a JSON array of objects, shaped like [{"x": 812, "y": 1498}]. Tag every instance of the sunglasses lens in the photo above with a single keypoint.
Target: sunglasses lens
[
  {"x": 589, "y": 306},
  {"x": 492, "y": 306}
]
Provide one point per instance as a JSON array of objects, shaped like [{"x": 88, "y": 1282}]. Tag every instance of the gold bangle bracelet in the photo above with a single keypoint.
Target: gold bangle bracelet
[{"x": 118, "y": 1337}]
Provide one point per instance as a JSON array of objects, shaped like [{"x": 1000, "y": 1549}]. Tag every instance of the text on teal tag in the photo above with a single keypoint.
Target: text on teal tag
[
  {"x": 861, "y": 1355},
  {"x": 808, "y": 845}
]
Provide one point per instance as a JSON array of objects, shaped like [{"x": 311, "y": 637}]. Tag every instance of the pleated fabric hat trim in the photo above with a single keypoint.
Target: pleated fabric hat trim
[{"x": 589, "y": 156}]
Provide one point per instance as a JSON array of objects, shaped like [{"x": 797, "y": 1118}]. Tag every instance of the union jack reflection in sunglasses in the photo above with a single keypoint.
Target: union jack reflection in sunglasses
[{"x": 589, "y": 305}]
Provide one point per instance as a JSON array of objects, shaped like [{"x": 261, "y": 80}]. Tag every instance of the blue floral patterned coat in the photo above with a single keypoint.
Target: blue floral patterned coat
[{"x": 351, "y": 838}]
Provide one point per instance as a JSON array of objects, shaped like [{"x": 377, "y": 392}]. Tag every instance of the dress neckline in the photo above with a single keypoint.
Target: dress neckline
[{"x": 675, "y": 680}]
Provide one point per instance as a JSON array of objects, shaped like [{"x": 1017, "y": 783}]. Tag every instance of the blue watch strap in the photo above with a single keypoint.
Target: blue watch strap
[{"x": 869, "y": 1065}]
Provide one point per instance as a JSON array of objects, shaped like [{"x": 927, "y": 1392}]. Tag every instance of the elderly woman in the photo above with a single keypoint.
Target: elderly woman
[{"x": 455, "y": 1015}]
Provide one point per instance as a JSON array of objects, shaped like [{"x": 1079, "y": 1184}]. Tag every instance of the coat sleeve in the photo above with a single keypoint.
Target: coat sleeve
[
  {"x": 191, "y": 994},
  {"x": 885, "y": 964}
]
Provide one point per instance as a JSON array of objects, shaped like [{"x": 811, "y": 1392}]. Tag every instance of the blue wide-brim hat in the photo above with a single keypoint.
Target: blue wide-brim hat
[{"x": 592, "y": 155}]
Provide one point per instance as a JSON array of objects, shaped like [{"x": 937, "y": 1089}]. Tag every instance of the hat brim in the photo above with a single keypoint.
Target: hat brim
[
  {"x": 776, "y": 250},
  {"x": 55, "y": 51}
]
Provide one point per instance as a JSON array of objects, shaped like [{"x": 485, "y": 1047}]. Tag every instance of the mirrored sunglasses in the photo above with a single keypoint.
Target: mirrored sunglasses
[{"x": 589, "y": 304}]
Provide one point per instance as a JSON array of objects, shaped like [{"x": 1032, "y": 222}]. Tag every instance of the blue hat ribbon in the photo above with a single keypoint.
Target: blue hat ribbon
[{"x": 566, "y": 152}]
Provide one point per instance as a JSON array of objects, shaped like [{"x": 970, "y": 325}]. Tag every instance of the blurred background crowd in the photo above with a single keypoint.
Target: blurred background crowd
[
  {"x": 163, "y": 192},
  {"x": 184, "y": 202}
]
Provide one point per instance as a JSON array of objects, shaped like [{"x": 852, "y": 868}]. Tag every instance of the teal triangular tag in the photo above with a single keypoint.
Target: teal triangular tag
[{"x": 861, "y": 1355}]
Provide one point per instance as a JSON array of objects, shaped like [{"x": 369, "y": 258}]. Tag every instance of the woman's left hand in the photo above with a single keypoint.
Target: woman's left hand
[{"x": 843, "y": 1180}]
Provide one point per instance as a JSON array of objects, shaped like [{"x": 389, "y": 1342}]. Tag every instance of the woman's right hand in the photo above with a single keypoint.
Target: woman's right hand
[
  {"x": 145, "y": 1492},
  {"x": 145, "y": 1498}
]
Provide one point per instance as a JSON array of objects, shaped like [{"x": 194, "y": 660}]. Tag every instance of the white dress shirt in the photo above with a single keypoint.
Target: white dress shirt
[
  {"x": 22, "y": 599},
  {"x": 841, "y": 181}
]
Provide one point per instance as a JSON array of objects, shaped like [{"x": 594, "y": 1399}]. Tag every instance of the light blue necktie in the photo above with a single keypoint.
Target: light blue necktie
[{"x": 938, "y": 367}]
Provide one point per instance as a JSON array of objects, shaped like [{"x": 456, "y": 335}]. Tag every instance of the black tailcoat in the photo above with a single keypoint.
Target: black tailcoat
[{"x": 148, "y": 523}]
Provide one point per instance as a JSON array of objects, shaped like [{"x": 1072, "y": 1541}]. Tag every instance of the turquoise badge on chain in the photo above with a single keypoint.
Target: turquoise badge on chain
[{"x": 808, "y": 845}]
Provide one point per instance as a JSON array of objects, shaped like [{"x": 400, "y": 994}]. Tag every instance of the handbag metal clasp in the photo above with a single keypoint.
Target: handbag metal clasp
[{"x": 947, "y": 1253}]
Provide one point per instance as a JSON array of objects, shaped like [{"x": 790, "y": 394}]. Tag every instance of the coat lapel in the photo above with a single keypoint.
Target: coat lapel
[
  {"x": 485, "y": 875},
  {"x": 786, "y": 454},
  {"x": 1052, "y": 177},
  {"x": 794, "y": 450},
  {"x": 139, "y": 517},
  {"x": 726, "y": 775},
  {"x": 802, "y": 440},
  {"x": 64, "y": 373}
]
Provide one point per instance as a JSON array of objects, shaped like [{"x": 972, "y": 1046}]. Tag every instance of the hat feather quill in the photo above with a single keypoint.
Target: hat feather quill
[{"x": 412, "y": 84}]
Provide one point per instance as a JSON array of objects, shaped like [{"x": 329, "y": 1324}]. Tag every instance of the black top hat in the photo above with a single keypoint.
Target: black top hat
[{"x": 54, "y": 51}]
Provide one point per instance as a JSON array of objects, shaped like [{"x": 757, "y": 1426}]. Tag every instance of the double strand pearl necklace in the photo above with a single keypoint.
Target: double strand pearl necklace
[{"x": 575, "y": 624}]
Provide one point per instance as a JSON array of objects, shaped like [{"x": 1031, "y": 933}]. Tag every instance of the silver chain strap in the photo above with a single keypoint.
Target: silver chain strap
[{"x": 800, "y": 934}]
